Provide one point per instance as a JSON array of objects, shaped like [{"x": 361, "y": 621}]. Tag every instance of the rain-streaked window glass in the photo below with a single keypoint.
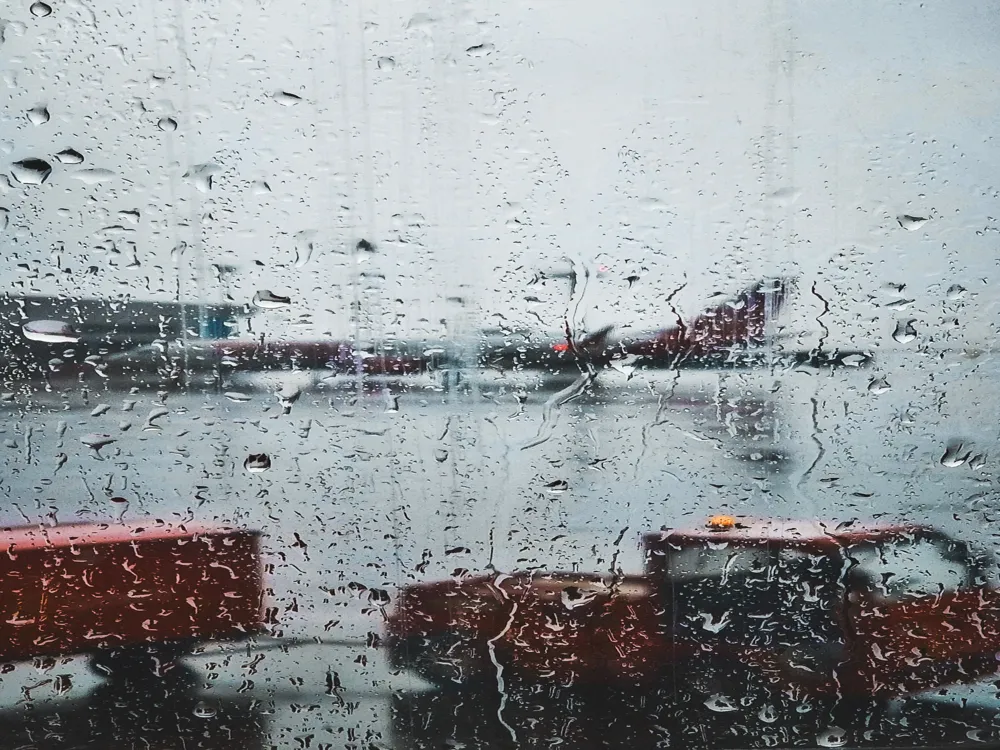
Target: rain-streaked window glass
[
  {"x": 525, "y": 374},
  {"x": 913, "y": 567},
  {"x": 718, "y": 561}
]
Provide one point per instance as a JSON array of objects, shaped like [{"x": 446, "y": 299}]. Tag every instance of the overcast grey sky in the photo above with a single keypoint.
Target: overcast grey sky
[{"x": 476, "y": 142}]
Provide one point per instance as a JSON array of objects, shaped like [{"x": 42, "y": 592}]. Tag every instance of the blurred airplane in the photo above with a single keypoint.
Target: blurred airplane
[
  {"x": 737, "y": 325},
  {"x": 732, "y": 333}
]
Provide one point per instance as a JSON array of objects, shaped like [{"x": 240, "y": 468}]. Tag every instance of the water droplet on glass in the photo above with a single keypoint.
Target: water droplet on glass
[
  {"x": 93, "y": 175},
  {"x": 855, "y": 360},
  {"x": 573, "y": 597},
  {"x": 899, "y": 304},
  {"x": 200, "y": 175},
  {"x": 31, "y": 171},
  {"x": 956, "y": 291},
  {"x": 832, "y": 737},
  {"x": 386, "y": 63},
  {"x": 911, "y": 223},
  {"x": 955, "y": 454},
  {"x": 63, "y": 684},
  {"x": 100, "y": 409},
  {"x": 167, "y": 124},
  {"x": 204, "y": 711},
  {"x": 768, "y": 714},
  {"x": 440, "y": 455},
  {"x": 260, "y": 187},
  {"x": 878, "y": 385},
  {"x": 713, "y": 625},
  {"x": 50, "y": 332},
  {"x": 905, "y": 332},
  {"x": 421, "y": 22},
  {"x": 721, "y": 704},
  {"x": 154, "y": 415},
  {"x": 286, "y": 98},
  {"x": 69, "y": 156},
  {"x": 304, "y": 244},
  {"x": 237, "y": 397},
  {"x": 626, "y": 365},
  {"x": 96, "y": 440},
  {"x": 785, "y": 196},
  {"x": 39, "y": 115},
  {"x": 479, "y": 50},
  {"x": 268, "y": 300},
  {"x": 4, "y": 219},
  {"x": 557, "y": 486},
  {"x": 40, "y": 9},
  {"x": 257, "y": 462},
  {"x": 287, "y": 396},
  {"x": 119, "y": 500}
]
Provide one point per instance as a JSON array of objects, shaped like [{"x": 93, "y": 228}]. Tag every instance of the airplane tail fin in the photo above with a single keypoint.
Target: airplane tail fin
[{"x": 740, "y": 321}]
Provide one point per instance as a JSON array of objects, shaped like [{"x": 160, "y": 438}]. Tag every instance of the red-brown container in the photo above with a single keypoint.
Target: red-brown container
[{"x": 86, "y": 587}]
